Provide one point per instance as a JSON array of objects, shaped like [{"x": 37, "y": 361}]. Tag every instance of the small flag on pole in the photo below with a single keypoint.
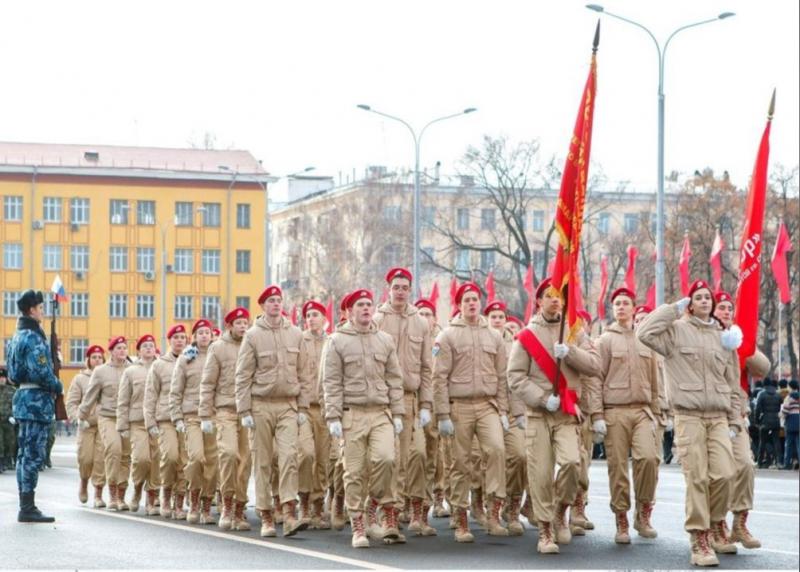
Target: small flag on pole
[{"x": 58, "y": 289}]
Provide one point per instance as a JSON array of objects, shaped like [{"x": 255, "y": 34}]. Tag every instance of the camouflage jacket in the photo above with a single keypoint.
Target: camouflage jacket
[{"x": 6, "y": 397}]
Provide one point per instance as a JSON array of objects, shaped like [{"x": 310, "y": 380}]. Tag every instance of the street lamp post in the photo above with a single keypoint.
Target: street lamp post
[
  {"x": 417, "y": 141},
  {"x": 660, "y": 194}
]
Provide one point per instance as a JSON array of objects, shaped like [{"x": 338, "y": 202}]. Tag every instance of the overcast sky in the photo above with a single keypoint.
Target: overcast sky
[{"x": 282, "y": 79}]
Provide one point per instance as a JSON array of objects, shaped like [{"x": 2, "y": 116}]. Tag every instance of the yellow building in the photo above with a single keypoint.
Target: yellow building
[{"x": 141, "y": 237}]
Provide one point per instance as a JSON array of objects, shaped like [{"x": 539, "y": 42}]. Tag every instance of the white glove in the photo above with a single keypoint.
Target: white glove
[
  {"x": 732, "y": 338},
  {"x": 599, "y": 426},
  {"x": 560, "y": 350},
  {"x": 84, "y": 424},
  {"x": 733, "y": 433},
  {"x": 335, "y": 429},
  {"x": 598, "y": 438},
  {"x": 446, "y": 428},
  {"x": 521, "y": 421},
  {"x": 398, "y": 425},
  {"x": 682, "y": 304},
  {"x": 125, "y": 434},
  {"x": 180, "y": 426},
  {"x": 248, "y": 421},
  {"x": 12, "y": 420},
  {"x": 207, "y": 426},
  {"x": 553, "y": 403},
  {"x": 424, "y": 417},
  {"x": 504, "y": 423},
  {"x": 154, "y": 431},
  {"x": 670, "y": 426},
  {"x": 301, "y": 418}
]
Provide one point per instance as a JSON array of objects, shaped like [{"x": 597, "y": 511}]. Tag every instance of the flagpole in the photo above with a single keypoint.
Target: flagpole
[{"x": 780, "y": 331}]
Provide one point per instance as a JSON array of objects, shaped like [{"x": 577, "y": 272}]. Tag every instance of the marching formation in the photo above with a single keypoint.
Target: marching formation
[{"x": 390, "y": 420}]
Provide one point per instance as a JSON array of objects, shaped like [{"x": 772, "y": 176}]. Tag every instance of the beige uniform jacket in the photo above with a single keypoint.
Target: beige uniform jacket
[
  {"x": 469, "y": 361},
  {"x": 156, "y": 391},
  {"x": 77, "y": 389},
  {"x": 628, "y": 373},
  {"x": 102, "y": 391},
  {"x": 702, "y": 376},
  {"x": 412, "y": 338},
  {"x": 516, "y": 406},
  {"x": 361, "y": 368},
  {"x": 218, "y": 381},
  {"x": 313, "y": 346},
  {"x": 130, "y": 400},
  {"x": 270, "y": 365},
  {"x": 530, "y": 384},
  {"x": 184, "y": 388}
]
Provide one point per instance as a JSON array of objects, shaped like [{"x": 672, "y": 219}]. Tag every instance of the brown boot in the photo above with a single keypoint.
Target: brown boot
[
  {"x": 150, "y": 507},
  {"x": 493, "y": 525},
  {"x": 440, "y": 509},
  {"x": 239, "y": 518},
  {"x": 702, "y": 555},
  {"x": 177, "y": 510},
  {"x": 527, "y": 511},
  {"x": 577, "y": 513},
  {"x": 740, "y": 532},
  {"x": 476, "y": 507},
  {"x": 360, "y": 539},
  {"x": 563, "y": 534},
  {"x": 113, "y": 501},
  {"x": 415, "y": 524},
  {"x": 291, "y": 524},
  {"x": 462, "y": 533},
  {"x": 137, "y": 497},
  {"x": 121, "y": 490},
  {"x": 304, "y": 508},
  {"x": 622, "y": 535},
  {"x": 267, "y": 523},
  {"x": 83, "y": 491},
  {"x": 318, "y": 519},
  {"x": 337, "y": 522},
  {"x": 98, "y": 497},
  {"x": 373, "y": 529},
  {"x": 205, "y": 511},
  {"x": 226, "y": 517},
  {"x": 642, "y": 521},
  {"x": 719, "y": 538},
  {"x": 166, "y": 502},
  {"x": 515, "y": 527},
  {"x": 427, "y": 529},
  {"x": 546, "y": 544},
  {"x": 193, "y": 517},
  {"x": 276, "y": 502}
]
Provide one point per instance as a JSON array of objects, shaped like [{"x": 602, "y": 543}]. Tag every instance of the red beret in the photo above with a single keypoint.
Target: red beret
[
  {"x": 585, "y": 316},
  {"x": 235, "y": 314},
  {"x": 643, "y": 309},
  {"x": 543, "y": 285},
  {"x": 176, "y": 329},
  {"x": 398, "y": 273},
  {"x": 270, "y": 291},
  {"x": 343, "y": 303},
  {"x": 494, "y": 306},
  {"x": 314, "y": 305},
  {"x": 356, "y": 295},
  {"x": 623, "y": 291},
  {"x": 455, "y": 312},
  {"x": 723, "y": 296},
  {"x": 425, "y": 303},
  {"x": 698, "y": 285},
  {"x": 514, "y": 319},
  {"x": 112, "y": 343},
  {"x": 217, "y": 332},
  {"x": 464, "y": 288},
  {"x": 201, "y": 323},
  {"x": 143, "y": 339},
  {"x": 95, "y": 350}
]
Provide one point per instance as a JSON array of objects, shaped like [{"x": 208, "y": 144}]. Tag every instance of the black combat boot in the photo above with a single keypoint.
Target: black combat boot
[{"x": 28, "y": 511}]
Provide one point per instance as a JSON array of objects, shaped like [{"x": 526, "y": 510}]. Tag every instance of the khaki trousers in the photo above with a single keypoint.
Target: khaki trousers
[
  {"x": 368, "y": 456},
  {"x": 587, "y": 446},
  {"x": 336, "y": 467},
  {"x": 471, "y": 418},
  {"x": 275, "y": 419},
  {"x": 444, "y": 465},
  {"x": 313, "y": 455},
  {"x": 631, "y": 429},
  {"x": 201, "y": 450},
  {"x": 704, "y": 448},
  {"x": 552, "y": 438},
  {"x": 116, "y": 451},
  {"x": 743, "y": 480},
  {"x": 516, "y": 461},
  {"x": 412, "y": 456},
  {"x": 90, "y": 456},
  {"x": 233, "y": 447},
  {"x": 144, "y": 457},
  {"x": 173, "y": 458}
]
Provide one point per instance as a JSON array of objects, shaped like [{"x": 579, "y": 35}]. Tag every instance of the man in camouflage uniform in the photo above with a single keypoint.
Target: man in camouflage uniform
[{"x": 8, "y": 441}]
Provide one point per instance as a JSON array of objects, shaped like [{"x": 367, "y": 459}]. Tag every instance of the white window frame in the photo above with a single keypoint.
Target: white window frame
[
  {"x": 79, "y": 210},
  {"x": 118, "y": 306},
  {"x": 145, "y": 306},
  {"x": 243, "y": 215},
  {"x": 118, "y": 259},
  {"x": 77, "y": 350},
  {"x": 210, "y": 261},
  {"x": 184, "y": 261},
  {"x": 210, "y": 308},
  {"x": 212, "y": 215},
  {"x": 79, "y": 305},
  {"x": 243, "y": 259},
  {"x": 12, "y": 256},
  {"x": 243, "y": 302},
  {"x": 79, "y": 258},
  {"x": 145, "y": 212},
  {"x": 118, "y": 211},
  {"x": 52, "y": 257},
  {"x": 145, "y": 259},
  {"x": 52, "y": 209},
  {"x": 183, "y": 213},
  {"x": 10, "y": 303},
  {"x": 12, "y": 208},
  {"x": 184, "y": 307}
]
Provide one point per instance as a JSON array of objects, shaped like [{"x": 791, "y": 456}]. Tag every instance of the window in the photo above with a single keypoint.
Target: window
[
  {"x": 79, "y": 211},
  {"x": 538, "y": 221},
  {"x": 428, "y": 215},
  {"x": 243, "y": 302},
  {"x": 12, "y": 208},
  {"x": 392, "y": 213},
  {"x": 487, "y": 260},
  {"x": 51, "y": 210},
  {"x": 118, "y": 211},
  {"x": 10, "y": 303},
  {"x": 79, "y": 258},
  {"x": 462, "y": 260},
  {"x": 462, "y": 219},
  {"x": 183, "y": 214},
  {"x": 487, "y": 219},
  {"x": 118, "y": 259},
  {"x": 145, "y": 212},
  {"x": 210, "y": 262},
  {"x": 79, "y": 305},
  {"x": 118, "y": 305},
  {"x": 145, "y": 259},
  {"x": 183, "y": 307},
  {"x": 631, "y": 222},
  {"x": 183, "y": 261},
  {"x": 242, "y": 216},
  {"x": 212, "y": 214},
  {"x": 145, "y": 306},
  {"x": 12, "y": 256},
  {"x": 51, "y": 259},
  {"x": 77, "y": 350},
  {"x": 209, "y": 308},
  {"x": 603, "y": 223},
  {"x": 538, "y": 262},
  {"x": 243, "y": 261},
  {"x": 391, "y": 255}
]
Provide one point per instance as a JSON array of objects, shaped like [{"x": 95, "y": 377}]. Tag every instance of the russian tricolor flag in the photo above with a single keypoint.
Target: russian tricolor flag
[{"x": 58, "y": 289}]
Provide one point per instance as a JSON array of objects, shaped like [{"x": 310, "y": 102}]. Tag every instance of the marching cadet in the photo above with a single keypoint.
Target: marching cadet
[
  {"x": 703, "y": 387},
  {"x": 364, "y": 405},
  {"x": 172, "y": 449},
  {"x": 743, "y": 483},
  {"x": 30, "y": 368},
  {"x": 218, "y": 413},
  {"x": 130, "y": 425},
  {"x": 411, "y": 334},
  {"x": 90, "y": 445},
  {"x": 579, "y": 523},
  {"x": 553, "y": 431},
  {"x": 272, "y": 400},
  {"x": 201, "y": 444},
  {"x": 315, "y": 441},
  {"x": 624, "y": 409},
  {"x": 471, "y": 398},
  {"x": 103, "y": 391}
]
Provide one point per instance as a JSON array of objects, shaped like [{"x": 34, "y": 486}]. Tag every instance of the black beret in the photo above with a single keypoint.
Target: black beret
[{"x": 29, "y": 299}]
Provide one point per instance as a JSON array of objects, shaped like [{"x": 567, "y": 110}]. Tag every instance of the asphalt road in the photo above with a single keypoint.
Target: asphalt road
[{"x": 85, "y": 538}]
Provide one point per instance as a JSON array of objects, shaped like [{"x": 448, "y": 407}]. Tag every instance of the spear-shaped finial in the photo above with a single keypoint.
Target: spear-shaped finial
[
  {"x": 771, "y": 111},
  {"x": 596, "y": 42}
]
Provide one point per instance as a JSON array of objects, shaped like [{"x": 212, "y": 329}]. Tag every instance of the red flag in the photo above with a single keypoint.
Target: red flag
[
  {"x": 782, "y": 245},
  {"x": 293, "y": 315},
  {"x": 716, "y": 261},
  {"x": 601, "y": 298},
  {"x": 490, "y": 286},
  {"x": 630, "y": 273},
  {"x": 651, "y": 296},
  {"x": 434, "y": 297},
  {"x": 453, "y": 290},
  {"x": 528, "y": 284},
  {"x": 384, "y": 295},
  {"x": 329, "y": 314},
  {"x": 683, "y": 266},
  {"x": 749, "y": 282}
]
